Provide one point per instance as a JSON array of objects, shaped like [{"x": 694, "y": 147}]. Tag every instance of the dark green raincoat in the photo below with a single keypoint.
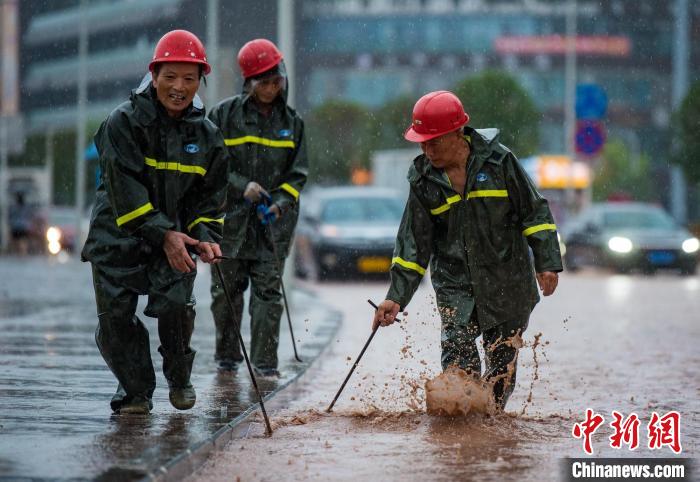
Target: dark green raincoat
[
  {"x": 475, "y": 242},
  {"x": 270, "y": 151},
  {"x": 158, "y": 174}
]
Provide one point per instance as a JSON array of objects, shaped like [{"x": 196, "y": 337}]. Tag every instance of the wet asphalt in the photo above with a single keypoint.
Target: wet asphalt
[
  {"x": 55, "y": 420},
  {"x": 608, "y": 342}
]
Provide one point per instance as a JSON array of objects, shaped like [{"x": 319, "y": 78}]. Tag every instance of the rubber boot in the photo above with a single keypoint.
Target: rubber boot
[
  {"x": 123, "y": 404},
  {"x": 177, "y": 370}
]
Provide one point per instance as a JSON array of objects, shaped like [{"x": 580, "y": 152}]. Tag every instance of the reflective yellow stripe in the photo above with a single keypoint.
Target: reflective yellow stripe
[
  {"x": 134, "y": 214},
  {"x": 488, "y": 193},
  {"x": 290, "y": 190},
  {"x": 204, "y": 220},
  {"x": 408, "y": 264},
  {"x": 259, "y": 140},
  {"x": 538, "y": 228},
  {"x": 176, "y": 166},
  {"x": 446, "y": 206}
]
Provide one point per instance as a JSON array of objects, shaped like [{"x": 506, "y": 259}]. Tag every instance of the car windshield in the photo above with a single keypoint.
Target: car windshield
[
  {"x": 358, "y": 210},
  {"x": 648, "y": 219}
]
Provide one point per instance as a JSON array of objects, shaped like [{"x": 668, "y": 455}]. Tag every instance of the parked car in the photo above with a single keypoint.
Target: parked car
[
  {"x": 346, "y": 231},
  {"x": 626, "y": 236}
]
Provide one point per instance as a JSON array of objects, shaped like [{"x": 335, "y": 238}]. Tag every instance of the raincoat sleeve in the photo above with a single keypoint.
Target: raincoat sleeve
[
  {"x": 236, "y": 181},
  {"x": 293, "y": 179},
  {"x": 205, "y": 204},
  {"x": 412, "y": 251},
  {"x": 534, "y": 217},
  {"x": 123, "y": 163}
]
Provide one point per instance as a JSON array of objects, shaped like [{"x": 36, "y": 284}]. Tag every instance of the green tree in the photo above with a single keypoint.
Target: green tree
[
  {"x": 338, "y": 139},
  {"x": 390, "y": 121},
  {"x": 687, "y": 120},
  {"x": 620, "y": 173},
  {"x": 495, "y": 99}
]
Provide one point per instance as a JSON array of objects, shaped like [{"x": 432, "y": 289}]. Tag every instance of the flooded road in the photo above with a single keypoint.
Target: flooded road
[{"x": 623, "y": 343}]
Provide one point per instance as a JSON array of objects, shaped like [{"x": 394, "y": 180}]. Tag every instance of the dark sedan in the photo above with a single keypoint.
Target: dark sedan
[
  {"x": 629, "y": 236},
  {"x": 347, "y": 231}
]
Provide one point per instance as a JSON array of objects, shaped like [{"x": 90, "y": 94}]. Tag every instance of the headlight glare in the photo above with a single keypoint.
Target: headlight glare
[
  {"x": 620, "y": 244},
  {"x": 53, "y": 234},
  {"x": 691, "y": 245}
]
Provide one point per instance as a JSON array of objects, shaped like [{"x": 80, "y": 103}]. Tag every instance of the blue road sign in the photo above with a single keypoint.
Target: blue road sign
[
  {"x": 590, "y": 137},
  {"x": 591, "y": 102}
]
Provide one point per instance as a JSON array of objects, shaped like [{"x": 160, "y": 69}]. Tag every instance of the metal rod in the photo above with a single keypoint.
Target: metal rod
[
  {"x": 268, "y": 427},
  {"x": 284, "y": 293},
  {"x": 359, "y": 357},
  {"x": 340, "y": 390}
]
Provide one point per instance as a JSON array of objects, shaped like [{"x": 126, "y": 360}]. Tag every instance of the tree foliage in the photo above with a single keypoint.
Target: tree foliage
[
  {"x": 687, "y": 120},
  {"x": 495, "y": 99},
  {"x": 619, "y": 174},
  {"x": 338, "y": 139},
  {"x": 390, "y": 122}
]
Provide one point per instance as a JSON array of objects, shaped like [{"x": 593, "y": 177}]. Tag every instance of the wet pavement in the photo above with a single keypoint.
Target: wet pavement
[
  {"x": 605, "y": 342},
  {"x": 55, "y": 420}
]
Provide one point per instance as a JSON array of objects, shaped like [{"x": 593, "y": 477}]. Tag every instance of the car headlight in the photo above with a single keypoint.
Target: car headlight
[
  {"x": 329, "y": 231},
  {"x": 53, "y": 236},
  {"x": 691, "y": 245},
  {"x": 620, "y": 244}
]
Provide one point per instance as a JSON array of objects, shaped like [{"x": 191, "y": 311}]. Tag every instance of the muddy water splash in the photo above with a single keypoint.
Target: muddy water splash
[{"x": 455, "y": 392}]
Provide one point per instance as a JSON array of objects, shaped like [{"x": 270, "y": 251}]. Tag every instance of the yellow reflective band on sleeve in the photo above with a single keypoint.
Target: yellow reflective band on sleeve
[
  {"x": 259, "y": 140},
  {"x": 538, "y": 228},
  {"x": 176, "y": 166},
  {"x": 446, "y": 206},
  {"x": 290, "y": 190},
  {"x": 408, "y": 264},
  {"x": 488, "y": 193},
  {"x": 134, "y": 214},
  {"x": 204, "y": 220}
]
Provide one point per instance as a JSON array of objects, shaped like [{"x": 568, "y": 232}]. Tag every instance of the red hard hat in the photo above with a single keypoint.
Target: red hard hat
[
  {"x": 180, "y": 46},
  {"x": 258, "y": 56},
  {"x": 435, "y": 114}
]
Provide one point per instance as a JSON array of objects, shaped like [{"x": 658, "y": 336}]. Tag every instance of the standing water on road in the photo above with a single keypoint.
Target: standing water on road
[{"x": 618, "y": 343}]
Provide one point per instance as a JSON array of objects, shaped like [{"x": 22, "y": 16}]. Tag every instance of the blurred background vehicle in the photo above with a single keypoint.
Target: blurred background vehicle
[
  {"x": 347, "y": 230},
  {"x": 629, "y": 236},
  {"x": 59, "y": 232}
]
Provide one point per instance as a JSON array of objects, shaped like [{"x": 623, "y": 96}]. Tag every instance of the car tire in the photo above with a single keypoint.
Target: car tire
[{"x": 689, "y": 270}]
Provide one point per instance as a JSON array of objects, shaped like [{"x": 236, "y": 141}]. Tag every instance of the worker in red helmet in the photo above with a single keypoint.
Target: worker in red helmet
[
  {"x": 472, "y": 215},
  {"x": 159, "y": 206},
  {"x": 267, "y": 174}
]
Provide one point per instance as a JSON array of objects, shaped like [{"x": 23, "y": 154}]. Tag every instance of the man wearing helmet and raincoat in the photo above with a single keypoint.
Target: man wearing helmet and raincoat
[
  {"x": 160, "y": 204},
  {"x": 471, "y": 215},
  {"x": 267, "y": 173}
]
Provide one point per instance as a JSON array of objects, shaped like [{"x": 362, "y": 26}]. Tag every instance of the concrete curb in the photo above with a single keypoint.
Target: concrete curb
[{"x": 195, "y": 456}]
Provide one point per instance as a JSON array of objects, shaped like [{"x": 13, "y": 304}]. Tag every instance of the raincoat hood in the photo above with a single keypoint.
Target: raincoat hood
[{"x": 247, "y": 90}]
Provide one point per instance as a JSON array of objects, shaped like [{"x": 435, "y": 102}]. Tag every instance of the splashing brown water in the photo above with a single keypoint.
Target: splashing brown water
[{"x": 455, "y": 392}]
